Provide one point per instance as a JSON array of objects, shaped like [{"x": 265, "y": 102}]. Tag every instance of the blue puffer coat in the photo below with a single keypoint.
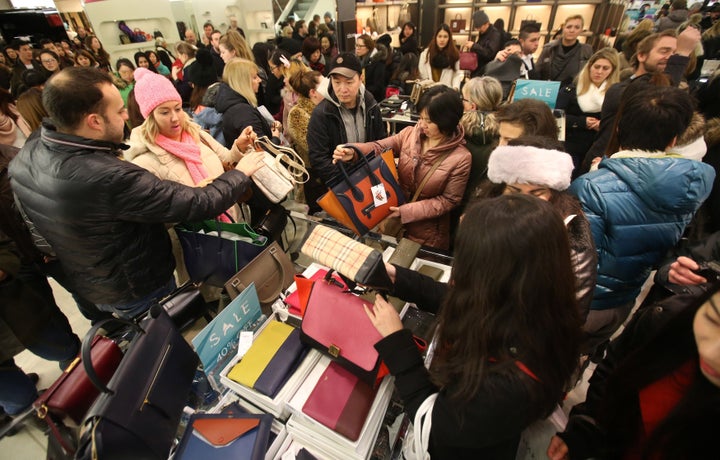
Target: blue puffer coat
[{"x": 638, "y": 208}]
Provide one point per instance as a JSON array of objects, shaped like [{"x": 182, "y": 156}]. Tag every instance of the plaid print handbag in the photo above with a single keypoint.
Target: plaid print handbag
[{"x": 352, "y": 259}]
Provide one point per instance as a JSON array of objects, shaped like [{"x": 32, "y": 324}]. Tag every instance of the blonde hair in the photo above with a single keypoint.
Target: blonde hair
[
  {"x": 573, "y": 18},
  {"x": 150, "y": 130},
  {"x": 238, "y": 75},
  {"x": 233, "y": 41},
  {"x": 486, "y": 93},
  {"x": 583, "y": 78},
  {"x": 712, "y": 32}
]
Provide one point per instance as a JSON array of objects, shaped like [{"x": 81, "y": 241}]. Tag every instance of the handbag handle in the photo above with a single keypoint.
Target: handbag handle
[
  {"x": 293, "y": 162},
  {"x": 87, "y": 346},
  {"x": 356, "y": 192},
  {"x": 273, "y": 252}
]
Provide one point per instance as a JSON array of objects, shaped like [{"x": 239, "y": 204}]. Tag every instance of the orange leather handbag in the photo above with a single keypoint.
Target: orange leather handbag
[{"x": 353, "y": 199}]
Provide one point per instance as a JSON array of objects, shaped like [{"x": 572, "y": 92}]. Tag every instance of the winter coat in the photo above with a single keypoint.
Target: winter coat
[
  {"x": 578, "y": 138},
  {"x": 374, "y": 73},
  {"x": 480, "y": 147},
  {"x": 554, "y": 64},
  {"x": 672, "y": 20},
  {"x": 711, "y": 207},
  {"x": 488, "y": 425},
  {"x": 638, "y": 204},
  {"x": 238, "y": 114},
  {"x": 298, "y": 121},
  {"x": 451, "y": 77},
  {"x": 427, "y": 220},
  {"x": 167, "y": 166},
  {"x": 486, "y": 47},
  {"x": 409, "y": 45},
  {"x": 104, "y": 217},
  {"x": 327, "y": 130}
]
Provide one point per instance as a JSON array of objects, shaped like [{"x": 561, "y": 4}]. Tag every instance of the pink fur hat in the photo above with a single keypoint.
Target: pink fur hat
[{"x": 152, "y": 89}]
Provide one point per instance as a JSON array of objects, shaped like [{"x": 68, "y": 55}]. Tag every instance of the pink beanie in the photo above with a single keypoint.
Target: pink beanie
[{"x": 152, "y": 89}]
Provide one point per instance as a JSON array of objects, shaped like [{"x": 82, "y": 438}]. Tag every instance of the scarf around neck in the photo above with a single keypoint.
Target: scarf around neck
[
  {"x": 592, "y": 100},
  {"x": 189, "y": 151}
]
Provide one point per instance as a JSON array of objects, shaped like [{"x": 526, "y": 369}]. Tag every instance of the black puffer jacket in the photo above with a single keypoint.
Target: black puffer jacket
[
  {"x": 104, "y": 217},
  {"x": 238, "y": 114}
]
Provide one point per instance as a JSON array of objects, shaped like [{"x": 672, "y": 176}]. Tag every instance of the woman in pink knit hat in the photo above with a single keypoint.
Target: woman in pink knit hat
[{"x": 171, "y": 146}]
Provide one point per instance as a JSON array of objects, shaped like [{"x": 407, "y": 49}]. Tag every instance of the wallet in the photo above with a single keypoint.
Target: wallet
[
  {"x": 272, "y": 358},
  {"x": 221, "y": 436},
  {"x": 340, "y": 401}
]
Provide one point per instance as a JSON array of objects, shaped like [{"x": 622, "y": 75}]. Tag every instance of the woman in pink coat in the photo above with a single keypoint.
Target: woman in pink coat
[{"x": 438, "y": 138}]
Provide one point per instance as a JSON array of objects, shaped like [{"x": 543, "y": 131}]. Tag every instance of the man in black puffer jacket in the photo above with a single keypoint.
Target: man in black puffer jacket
[{"x": 104, "y": 217}]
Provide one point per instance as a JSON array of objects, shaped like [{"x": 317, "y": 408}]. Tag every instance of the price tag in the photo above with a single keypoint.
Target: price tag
[
  {"x": 244, "y": 342},
  {"x": 379, "y": 194}
]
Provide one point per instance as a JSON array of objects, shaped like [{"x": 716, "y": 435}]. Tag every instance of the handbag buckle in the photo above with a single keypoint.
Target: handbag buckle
[{"x": 334, "y": 351}]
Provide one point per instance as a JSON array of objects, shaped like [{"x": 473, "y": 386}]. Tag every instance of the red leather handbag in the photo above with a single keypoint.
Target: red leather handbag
[
  {"x": 468, "y": 60},
  {"x": 335, "y": 323},
  {"x": 73, "y": 393}
]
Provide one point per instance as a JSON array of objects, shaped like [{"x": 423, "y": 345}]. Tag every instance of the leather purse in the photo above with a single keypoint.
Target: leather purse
[
  {"x": 137, "y": 414},
  {"x": 282, "y": 169},
  {"x": 214, "y": 251},
  {"x": 335, "y": 323},
  {"x": 352, "y": 259},
  {"x": 353, "y": 197},
  {"x": 272, "y": 272},
  {"x": 457, "y": 24},
  {"x": 73, "y": 393},
  {"x": 185, "y": 305},
  {"x": 273, "y": 357},
  {"x": 223, "y": 436},
  {"x": 468, "y": 60},
  {"x": 340, "y": 401}
]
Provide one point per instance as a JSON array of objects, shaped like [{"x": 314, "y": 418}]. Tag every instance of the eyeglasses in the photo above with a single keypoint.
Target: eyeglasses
[
  {"x": 273, "y": 67},
  {"x": 360, "y": 46},
  {"x": 48, "y": 61}
]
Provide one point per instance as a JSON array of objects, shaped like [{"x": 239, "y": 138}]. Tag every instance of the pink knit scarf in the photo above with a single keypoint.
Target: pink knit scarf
[{"x": 187, "y": 150}]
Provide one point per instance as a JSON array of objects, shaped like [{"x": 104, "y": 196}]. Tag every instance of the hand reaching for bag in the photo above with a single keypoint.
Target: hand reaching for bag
[
  {"x": 383, "y": 316},
  {"x": 343, "y": 154},
  {"x": 250, "y": 162},
  {"x": 246, "y": 138}
]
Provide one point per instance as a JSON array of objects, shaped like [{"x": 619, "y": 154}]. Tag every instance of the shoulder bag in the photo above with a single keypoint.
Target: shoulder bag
[
  {"x": 468, "y": 60},
  {"x": 272, "y": 272},
  {"x": 363, "y": 193},
  {"x": 137, "y": 414},
  {"x": 282, "y": 169},
  {"x": 392, "y": 226}
]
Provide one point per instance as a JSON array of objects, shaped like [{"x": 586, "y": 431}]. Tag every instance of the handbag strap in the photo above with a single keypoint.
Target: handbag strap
[
  {"x": 87, "y": 346},
  {"x": 427, "y": 175},
  {"x": 357, "y": 193},
  {"x": 56, "y": 433},
  {"x": 286, "y": 157},
  {"x": 422, "y": 425}
]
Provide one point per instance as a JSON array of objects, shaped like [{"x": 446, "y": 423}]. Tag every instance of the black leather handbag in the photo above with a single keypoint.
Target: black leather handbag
[
  {"x": 185, "y": 305},
  {"x": 137, "y": 414}
]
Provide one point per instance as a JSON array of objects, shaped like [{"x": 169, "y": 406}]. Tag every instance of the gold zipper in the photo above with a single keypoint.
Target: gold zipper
[{"x": 157, "y": 371}]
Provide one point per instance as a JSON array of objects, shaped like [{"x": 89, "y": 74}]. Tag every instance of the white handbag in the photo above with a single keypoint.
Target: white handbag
[
  {"x": 282, "y": 169},
  {"x": 417, "y": 440}
]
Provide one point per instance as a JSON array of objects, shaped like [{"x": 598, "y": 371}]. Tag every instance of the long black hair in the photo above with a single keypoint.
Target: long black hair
[{"x": 512, "y": 299}]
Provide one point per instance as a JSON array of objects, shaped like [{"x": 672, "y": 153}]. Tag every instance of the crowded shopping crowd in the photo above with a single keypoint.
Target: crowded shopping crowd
[{"x": 553, "y": 217}]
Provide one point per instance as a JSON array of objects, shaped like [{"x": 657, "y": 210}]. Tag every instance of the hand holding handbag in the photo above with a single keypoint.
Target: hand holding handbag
[
  {"x": 393, "y": 226},
  {"x": 335, "y": 323},
  {"x": 363, "y": 194},
  {"x": 282, "y": 169},
  {"x": 139, "y": 410},
  {"x": 352, "y": 259}
]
